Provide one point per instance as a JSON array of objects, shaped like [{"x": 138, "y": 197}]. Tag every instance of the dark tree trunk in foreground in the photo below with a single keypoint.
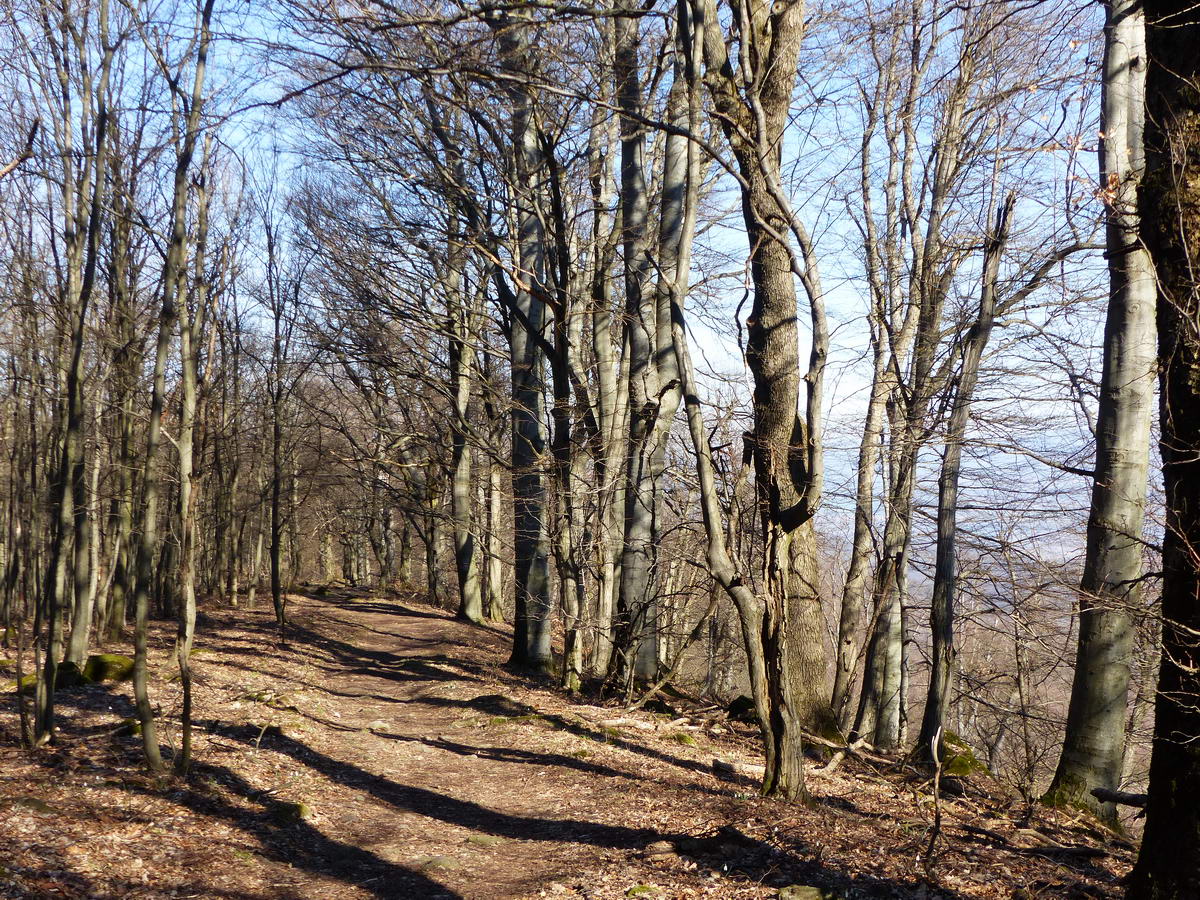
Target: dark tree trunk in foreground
[{"x": 1168, "y": 867}]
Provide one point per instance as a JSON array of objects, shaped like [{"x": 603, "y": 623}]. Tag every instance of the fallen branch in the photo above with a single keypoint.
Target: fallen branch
[
  {"x": 859, "y": 748},
  {"x": 1121, "y": 798}
]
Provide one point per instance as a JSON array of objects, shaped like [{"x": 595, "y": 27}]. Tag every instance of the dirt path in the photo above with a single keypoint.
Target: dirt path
[
  {"x": 387, "y": 753},
  {"x": 491, "y": 794}
]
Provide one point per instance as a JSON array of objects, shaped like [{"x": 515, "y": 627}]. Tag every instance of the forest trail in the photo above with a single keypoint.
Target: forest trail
[{"x": 388, "y": 753}]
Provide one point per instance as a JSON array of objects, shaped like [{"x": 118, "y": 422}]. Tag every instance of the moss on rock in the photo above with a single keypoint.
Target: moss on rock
[
  {"x": 291, "y": 813},
  {"x": 958, "y": 759},
  {"x": 108, "y": 667}
]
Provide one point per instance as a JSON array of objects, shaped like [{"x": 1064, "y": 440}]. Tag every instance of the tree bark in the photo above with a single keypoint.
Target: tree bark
[
  {"x": 531, "y": 632},
  {"x": 1168, "y": 866},
  {"x": 1110, "y": 592},
  {"x": 941, "y": 617}
]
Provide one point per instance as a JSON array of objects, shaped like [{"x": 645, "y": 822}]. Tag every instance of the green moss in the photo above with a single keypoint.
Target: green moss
[
  {"x": 28, "y": 683},
  {"x": 806, "y": 892},
  {"x": 290, "y": 813},
  {"x": 486, "y": 840},
  {"x": 108, "y": 667},
  {"x": 1071, "y": 792},
  {"x": 682, "y": 737},
  {"x": 1064, "y": 792},
  {"x": 445, "y": 863},
  {"x": 506, "y": 720},
  {"x": 643, "y": 890},
  {"x": 958, "y": 759},
  {"x": 67, "y": 675}
]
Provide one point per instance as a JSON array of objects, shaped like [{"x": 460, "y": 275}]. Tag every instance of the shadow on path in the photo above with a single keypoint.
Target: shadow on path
[
  {"x": 299, "y": 844},
  {"x": 728, "y": 852}
]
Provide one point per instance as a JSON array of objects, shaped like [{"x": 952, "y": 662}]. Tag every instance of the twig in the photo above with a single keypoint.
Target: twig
[
  {"x": 935, "y": 748},
  {"x": 26, "y": 152}
]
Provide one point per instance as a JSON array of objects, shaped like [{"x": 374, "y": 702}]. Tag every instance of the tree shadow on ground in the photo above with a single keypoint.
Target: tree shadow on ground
[
  {"x": 297, "y": 843},
  {"x": 513, "y": 755},
  {"x": 57, "y": 878},
  {"x": 386, "y": 663},
  {"x": 499, "y": 705},
  {"x": 728, "y": 852}
]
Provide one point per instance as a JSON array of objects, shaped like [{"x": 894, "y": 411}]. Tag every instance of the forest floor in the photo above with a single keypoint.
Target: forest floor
[{"x": 387, "y": 752}]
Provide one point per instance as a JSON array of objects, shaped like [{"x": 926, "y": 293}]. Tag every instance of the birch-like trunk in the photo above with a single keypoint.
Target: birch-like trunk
[
  {"x": 460, "y": 327},
  {"x": 1110, "y": 592}
]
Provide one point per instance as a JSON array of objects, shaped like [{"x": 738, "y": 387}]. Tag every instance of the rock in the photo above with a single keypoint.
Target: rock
[
  {"x": 643, "y": 890},
  {"x": 290, "y": 813},
  {"x": 68, "y": 675},
  {"x": 128, "y": 728},
  {"x": 446, "y": 863},
  {"x": 807, "y": 892},
  {"x": 377, "y": 725},
  {"x": 108, "y": 667},
  {"x": 33, "y": 804},
  {"x": 958, "y": 759},
  {"x": 486, "y": 840},
  {"x": 742, "y": 709},
  {"x": 659, "y": 850},
  {"x": 28, "y": 684}
]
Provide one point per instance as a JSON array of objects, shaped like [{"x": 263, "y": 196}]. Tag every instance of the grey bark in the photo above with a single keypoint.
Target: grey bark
[
  {"x": 531, "y": 633},
  {"x": 945, "y": 575},
  {"x": 1110, "y": 591}
]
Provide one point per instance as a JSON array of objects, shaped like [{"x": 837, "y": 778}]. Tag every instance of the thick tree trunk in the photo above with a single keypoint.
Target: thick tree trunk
[
  {"x": 531, "y": 632},
  {"x": 1110, "y": 593},
  {"x": 752, "y": 111},
  {"x": 612, "y": 396},
  {"x": 653, "y": 393},
  {"x": 1168, "y": 866}
]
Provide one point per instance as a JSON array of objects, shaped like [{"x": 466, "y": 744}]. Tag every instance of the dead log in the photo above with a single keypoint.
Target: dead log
[{"x": 1121, "y": 798}]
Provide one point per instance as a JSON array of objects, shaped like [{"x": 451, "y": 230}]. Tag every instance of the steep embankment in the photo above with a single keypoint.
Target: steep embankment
[{"x": 387, "y": 753}]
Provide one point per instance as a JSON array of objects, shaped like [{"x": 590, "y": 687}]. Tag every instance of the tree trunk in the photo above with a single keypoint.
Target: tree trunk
[
  {"x": 1110, "y": 593},
  {"x": 1168, "y": 866},
  {"x": 466, "y": 556},
  {"x": 531, "y": 632},
  {"x": 941, "y": 619}
]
